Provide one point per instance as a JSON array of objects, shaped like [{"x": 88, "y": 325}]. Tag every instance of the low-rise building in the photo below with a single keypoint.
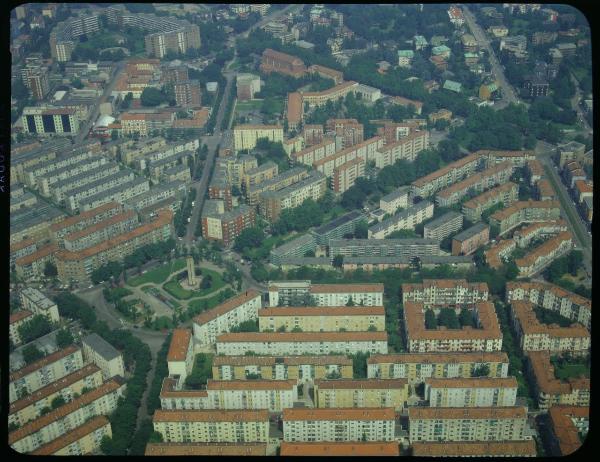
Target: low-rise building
[
  {"x": 208, "y": 325},
  {"x": 297, "y": 343},
  {"x": 315, "y": 151},
  {"x": 367, "y": 150},
  {"x": 542, "y": 256},
  {"x": 320, "y": 98},
  {"x": 16, "y": 320},
  {"x": 343, "y": 424},
  {"x": 206, "y": 449},
  {"x": 407, "y": 219},
  {"x": 340, "y": 449},
  {"x": 445, "y": 292},
  {"x": 417, "y": 367},
  {"x": 407, "y": 148},
  {"x": 35, "y": 301},
  {"x": 524, "y": 236},
  {"x": 488, "y": 337},
  {"x": 551, "y": 391},
  {"x": 430, "y": 424},
  {"x": 300, "y": 368},
  {"x": 499, "y": 253},
  {"x": 212, "y": 425},
  {"x": 468, "y": 241},
  {"x": 535, "y": 336},
  {"x": 338, "y": 227},
  {"x": 294, "y": 293},
  {"x": 552, "y": 297},
  {"x": 322, "y": 319},
  {"x": 361, "y": 393},
  {"x": 180, "y": 357},
  {"x": 283, "y": 180},
  {"x": 545, "y": 191},
  {"x": 409, "y": 248},
  {"x": 295, "y": 248},
  {"x": 372, "y": 263},
  {"x": 104, "y": 355},
  {"x": 471, "y": 392},
  {"x": 399, "y": 198},
  {"x": 506, "y": 194}
]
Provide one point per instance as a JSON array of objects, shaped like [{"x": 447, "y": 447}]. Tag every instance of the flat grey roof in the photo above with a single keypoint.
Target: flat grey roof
[
  {"x": 339, "y": 221},
  {"x": 401, "y": 191},
  {"x": 470, "y": 232},
  {"x": 101, "y": 346},
  {"x": 443, "y": 219},
  {"x": 294, "y": 243},
  {"x": 31, "y": 216},
  {"x": 399, "y": 216}
]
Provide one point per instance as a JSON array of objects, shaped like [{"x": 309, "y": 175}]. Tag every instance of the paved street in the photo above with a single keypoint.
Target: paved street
[
  {"x": 575, "y": 104},
  {"x": 85, "y": 127},
  {"x": 508, "y": 93},
  {"x": 570, "y": 214}
]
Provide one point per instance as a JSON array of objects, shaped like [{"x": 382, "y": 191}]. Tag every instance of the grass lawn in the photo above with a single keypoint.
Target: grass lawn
[
  {"x": 571, "y": 371},
  {"x": 337, "y": 210},
  {"x": 253, "y": 105},
  {"x": 174, "y": 288},
  {"x": 158, "y": 275},
  {"x": 198, "y": 305}
]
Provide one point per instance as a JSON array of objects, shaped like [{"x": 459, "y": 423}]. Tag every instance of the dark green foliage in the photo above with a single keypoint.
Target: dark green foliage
[
  {"x": 50, "y": 270},
  {"x": 300, "y": 218},
  {"x": 36, "y": 327},
  {"x": 482, "y": 370},
  {"x": 246, "y": 326},
  {"x": 64, "y": 338},
  {"x": 430, "y": 320},
  {"x": 466, "y": 318},
  {"x": 160, "y": 372},
  {"x": 57, "y": 402},
  {"x": 361, "y": 230},
  {"x": 201, "y": 372},
  {"x": 359, "y": 364},
  {"x": 338, "y": 261},
  {"x": 152, "y": 97},
  {"x": 551, "y": 317},
  {"x": 105, "y": 272},
  {"x": 32, "y": 353},
  {"x": 249, "y": 238},
  {"x": 447, "y": 317}
]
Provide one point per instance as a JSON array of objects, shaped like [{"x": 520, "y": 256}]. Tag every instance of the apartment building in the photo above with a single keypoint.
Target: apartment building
[
  {"x": 247, "y": 85},
  {"x": 345, "y": 175},
  {"x": 275, "y": 61},
  {"x": 63, "y": 177},
  {"x": 84, "y": 220},
  {"x": 340, "y": 449},
  {"x": 245, "y": 136},
  {"x": 101, "y": 231},
  {"x": 209, "y": 324},
  {"x": 283, "y": 293},
  {"x": 517, "y": 158},
  {"x": 347, "y": 131},
  {"x": 83, "y": 440},
  {"x": 399, "y": 198},
  {"x": 545, "y": 191},
  {"x": 283, "y": 180},
  {"x": 524, "y": 212},
  {"x": 445, "y": 292},
  {"x": 524, "y": 448},
  {"x": 219, "y": 189},
  {"x": 338, "y": 227},
  {"x": 405, "y": 148},
  {"x": 471, "y": 392},
  {"x": 551, "y": 391},
  {"x": 145, "y": 123},
  {"x": 64, "y": 36},
  {"x": 35, "y": 78},
  {"x": 315, "y": 151},
  {"x": 294, "y": 110},
  {"x": 271, "y": 203},
  {"x": 299, "y": 368},
  {"x": 566, "y": 424},
  {"x": 567, "y": 152},
  {"x": 212, "y": 425},
  {"x": 430, "y": 424},
  {"x": 552, "y": 297},
  {"x": 217, "y": 224},
  {"x": 98, "y": 351},
  {"x": 409, "y": 248},
  {"x": 361, "y": 393},
  {"x": 292, "y": 343},
  {"x": 524, "y": 236},
  {"x": 545, "y": 254},
  {"x": 365, "y": 150},
  {"x": 78, "y": 266},
  {"x": 259, "y": 174},
  {"x": 341, "y": 424},
  {"x": 32, "y": 266},
  {"x": 69, "y": 188},
  {"x": 45, "y": 120},
  {"x": 273, "y": 395},
  {"x": 100, "y": 184},
  {"x": 187, "y": 93},
  {"x": 320, "y": 98},
  {"x": 36, "y": 302},
  {"x": 407, "y": 219},
  {"x": 100, "y": 401},
  {"x": 468, "y": 241},
  {"x": 443, "y": 226},
  {"x": 180, "y": 357},
  {"x": 496, "y": 255},
  {"x": 327, "y": 73},
  {"x": 322, "y": 319},
  {"x": 29, "y": 407},
  {"x": 535, "y": 336},
  {"x": 444, "y": 177},
  {"x": 206, "y": 449},
  {"x": 183, "y": 36},
  {"x": 417, "y": 367},
  {"x": 495, "y": 175},
  {"x": 487, "y": 337},
  {"x": 535, "y": 170},
  {"x": 16, "y": 320},
  {"x": 173, "y": 396},
  {"x": 296, "y": 248}
]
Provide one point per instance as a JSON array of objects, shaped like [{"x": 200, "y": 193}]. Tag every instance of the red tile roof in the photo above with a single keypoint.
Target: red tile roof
[{"x": 180, "y": 343}]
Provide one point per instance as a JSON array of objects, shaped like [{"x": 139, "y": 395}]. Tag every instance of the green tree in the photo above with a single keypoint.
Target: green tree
[
  {"x": 338, "y": 261},
  {"x": 152, "y": 97},
  {"x": 36, "y": 327},
  {"x": 465, "y": 317},
  {"x": 361, "y": 230},
  {"x": 19, "y": 90},
  {"x": 31, "y": 354},
  {"x": 249, "y": 238},
  {"x": 447, "y": 317},
  {"x": 50, "y": 270},
  {"x": 57, "y": 402},
  {"x": 350, "y": 302},
  {"x": 430, "y": 320},
  {"x": 483, "y": 370},
  {"x": 64, "y": 338},
  {"x": 77, "y": 83}
]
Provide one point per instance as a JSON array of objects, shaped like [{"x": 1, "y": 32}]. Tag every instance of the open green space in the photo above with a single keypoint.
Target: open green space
[
  {"x": 551, "y": 317},
  {"x": 198, "y": 305},
  {"x": 174, "y": 288},
  {"x": 253, "y": 105},
  {"x": 570, "y": 368},
  {"x": 158, "y": 275}
]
